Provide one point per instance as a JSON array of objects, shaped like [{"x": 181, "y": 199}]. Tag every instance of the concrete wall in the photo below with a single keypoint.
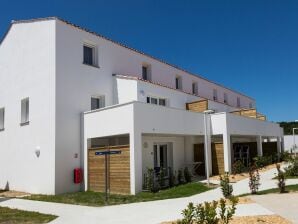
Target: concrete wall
[
  {"x": 289, "y": 142},
  {"x": 27, "y": 69}
]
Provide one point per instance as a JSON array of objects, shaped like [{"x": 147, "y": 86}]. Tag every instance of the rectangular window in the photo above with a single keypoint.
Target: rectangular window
[
  {"x": 215, "y": 94},
  {"x": 250, "y": 105},
  {"x": 89, "y": 55},
  {"x": 25, "y": 111},
  {"x": 178, "y": 82},
  {"x": 144, "y": 73},
  {"x": 225, "y": 98},
  {"x": 156, "y": 101},
  {"x": 195, "y": 88},
  {"x": 238, "y": 102},
  {"x": 97, "y": 102},
  {"x": 2, "y": 117}
]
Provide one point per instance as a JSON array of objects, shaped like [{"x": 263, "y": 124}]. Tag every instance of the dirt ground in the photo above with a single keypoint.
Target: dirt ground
[
  {"x": 13, "y": 194},
  {"x": 237, "y": 177},
  {"x": 262, "y": 219}
]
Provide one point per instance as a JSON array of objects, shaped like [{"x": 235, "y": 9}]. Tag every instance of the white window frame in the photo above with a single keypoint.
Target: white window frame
[
  {"x": 25, "y": 111},
  {"x": 102, "y": 101},
  {"x": 94, "y": 54},
  {"x": 2, "y": 119}
]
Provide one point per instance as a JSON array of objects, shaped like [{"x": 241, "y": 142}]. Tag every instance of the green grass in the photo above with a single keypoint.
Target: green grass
[
  {"x": 290, "y": 188},
  {"x": 90, "y": 198},
  {"x": 11, "y": 216}
]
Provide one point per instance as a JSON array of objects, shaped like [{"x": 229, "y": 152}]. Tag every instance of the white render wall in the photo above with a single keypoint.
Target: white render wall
[
  {"x": 27, "y": 69},
  {"x": 289, "y": 142}
]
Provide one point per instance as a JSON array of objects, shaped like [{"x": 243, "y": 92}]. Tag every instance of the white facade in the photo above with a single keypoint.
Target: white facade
[
  {"x": 42, "y": 60},
  {"x": 289, "y": 142}
]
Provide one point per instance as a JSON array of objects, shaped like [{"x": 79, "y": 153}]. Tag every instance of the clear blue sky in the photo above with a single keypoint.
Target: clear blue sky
[{"x": 250, "y": 46}]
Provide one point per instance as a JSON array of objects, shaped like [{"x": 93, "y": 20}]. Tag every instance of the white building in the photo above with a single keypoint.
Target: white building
[
  {"x": 290, "y": 143},
  {"x": 65, "y": 91}
]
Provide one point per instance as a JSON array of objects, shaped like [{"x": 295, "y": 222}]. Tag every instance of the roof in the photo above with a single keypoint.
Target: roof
[{"x": 120, "y": 44}]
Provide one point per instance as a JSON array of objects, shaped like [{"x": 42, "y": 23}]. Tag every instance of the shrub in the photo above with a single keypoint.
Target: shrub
[
  {"x": 238, "y": 167},
  {"x": 161, "y": 177},
  {"x": 172, "y": 178},
  {"x": 226, "y": 212},
  {"x": 150, "y": 181},
  {"x": 285, "y": 156},
  {"x": 292, "y": 169},
  {"x": 262, "y": 161},
  {"x": 281, "y": 179},
  {"x": 226, "y": 187},
  {"x": 206, "y": 213},
  {"x": 187, "y": 175},
  {"x": 180, "y": 177},
  {"x": 254, "y": 179}
]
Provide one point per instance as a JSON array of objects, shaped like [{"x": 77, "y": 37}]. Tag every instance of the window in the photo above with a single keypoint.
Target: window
[
  {"x": 146, "y": 69},
  {"x": 250, "y": 105},
  {"x": 238, "y": 102},
  {"x": 214, "y": 94},
  {"x": 178, "y": 82},
  {"x": 195, "y": 88},
  {"x": 97, "y": 102},
  {"x": 25, "y": 111},
  {"x": 2, "y": 114},
  {"x": 89, "y": 55},
  {"x": 157, "y": 101},
  {"x": 225, "y": 98}
]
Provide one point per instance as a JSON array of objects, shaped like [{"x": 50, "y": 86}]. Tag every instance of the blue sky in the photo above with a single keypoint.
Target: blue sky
[{"x": 250, "y": 46}]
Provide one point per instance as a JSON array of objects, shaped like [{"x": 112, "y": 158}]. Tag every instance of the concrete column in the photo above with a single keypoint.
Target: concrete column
[
  {"x": 279, "y": 146},
  {"x": 136, "y": 162},
  {"x": 87, "y": 145},
  {"x": 260, "y": 145},
  {"x": 227, "y": 151},
  {"x": 207, "y": 143}
]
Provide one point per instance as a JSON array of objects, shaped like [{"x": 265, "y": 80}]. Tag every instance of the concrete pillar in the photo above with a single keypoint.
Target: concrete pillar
[
  {"x": 87, "y": 145},
  {"x": 207, "y": 143},
  {"x": 227, "y": 151},
  {"x": 260, "y": 145},
  {"x": 136, "y": 162},
  {"x": 279, "y": 146}
]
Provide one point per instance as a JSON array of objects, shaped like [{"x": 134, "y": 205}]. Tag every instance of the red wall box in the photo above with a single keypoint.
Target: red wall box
[{"x": 77, "y": 175}]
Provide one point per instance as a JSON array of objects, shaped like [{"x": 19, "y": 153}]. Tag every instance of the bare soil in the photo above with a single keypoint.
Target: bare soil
[{"x": 13, "y": 194}]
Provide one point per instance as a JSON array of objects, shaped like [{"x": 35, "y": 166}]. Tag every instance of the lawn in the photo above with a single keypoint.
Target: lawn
[
  {"x": 290, "y": 188},
  {"x": 90, "y": 198},
  {"x": 12, "y": 216}
]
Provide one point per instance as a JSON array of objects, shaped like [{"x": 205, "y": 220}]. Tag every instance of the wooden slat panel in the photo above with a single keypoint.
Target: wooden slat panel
[
  {"x": 119, "y": 172},
  {"x": 217, "y": 158},
  {"x": 249, "y": 113},
  {"x": 198, "y": 106}
]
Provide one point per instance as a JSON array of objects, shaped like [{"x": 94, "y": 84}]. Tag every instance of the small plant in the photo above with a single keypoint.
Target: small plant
[
  {"x": 150, "y": 181},
  {"x": 172, "y": 178},
  {"x": 161, "y": 177},
  {"x": 262, "y": 161},
  {"x": 187, "y": 175},
  {"x": 254, "y": 180},
  {"x": 238, "y": 167},
  {"x": 226, "y": 187},
  {"x": 292, "y": 169},
  {"x": 226, "y": 212},
  {"x": 180, "y": 177},
  {"x": 206, "y": 213},
  {"x": 188, "y": 214},
  {"x": 281, "y": 179},
  {"x": 285, "y": 156}
]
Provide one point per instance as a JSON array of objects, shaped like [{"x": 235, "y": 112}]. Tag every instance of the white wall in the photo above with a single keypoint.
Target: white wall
[
  {"x": 27, "y": 69},
  {"x": 289, "y": 142}
]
